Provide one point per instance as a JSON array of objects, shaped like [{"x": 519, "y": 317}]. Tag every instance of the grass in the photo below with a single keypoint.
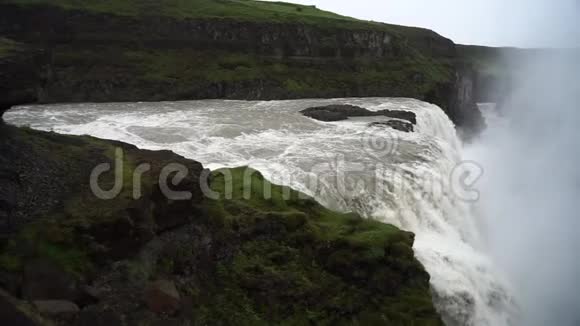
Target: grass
[
  {"x": 244, "y": 10},
  {"x": 74, "y": 233},
  {"x": 188, "y": 73},
  {"x": 7, "y": 46},
  {"x": 55, "y": 236},
  {"x": 300, "y": 263}
]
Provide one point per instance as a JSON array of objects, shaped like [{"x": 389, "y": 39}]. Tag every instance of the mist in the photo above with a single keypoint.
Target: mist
[{"x": 530, "y": 194}]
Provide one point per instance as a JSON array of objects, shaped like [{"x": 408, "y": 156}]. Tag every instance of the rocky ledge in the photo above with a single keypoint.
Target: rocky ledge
[
  {"x": 339, "y": 112},
  {"x": 254, "y": 257},
  {"x": 394, "y": 124},
  {"x": 400, "y": 120}
]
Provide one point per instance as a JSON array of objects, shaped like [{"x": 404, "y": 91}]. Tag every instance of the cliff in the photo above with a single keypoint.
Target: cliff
[
  {"x": 145, "y": 51},
  {"x": 21, "y": 68},
  {"x": 243, "y": 257},
  {"x": 493, "y": 70}
]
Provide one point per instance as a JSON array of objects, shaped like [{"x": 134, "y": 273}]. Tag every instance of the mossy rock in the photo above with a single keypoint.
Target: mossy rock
[
  {"x": 63, "y": 220},
  {"x": 249, "y": 252},
  {"x": 298, "y": 263},
  {"x": 242, "y": 10}
]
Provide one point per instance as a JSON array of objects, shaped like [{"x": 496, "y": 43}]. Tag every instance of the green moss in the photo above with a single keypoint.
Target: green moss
[
  {"x": 186, "y": 74},
  {"x": 10, "y": 262},
  {"x": 65, "y": 235},
  {"x": 7, "y": 46},
  {"x": 300, "y": 263},
  {"x": 46, "y": 240},
  {"x": 245, "y": 10}
]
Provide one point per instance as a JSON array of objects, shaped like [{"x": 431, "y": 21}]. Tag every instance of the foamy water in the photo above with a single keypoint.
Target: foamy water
[{"x": 396, "y": 177}]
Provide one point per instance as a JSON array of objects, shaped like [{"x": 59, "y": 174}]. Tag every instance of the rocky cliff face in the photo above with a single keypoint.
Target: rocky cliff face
[
  {"x": 52, "y": 25},
  {"x": 467, "y": 116},
  {"x": 21, "y": 74},
  {"x": 94, "y": 56}
]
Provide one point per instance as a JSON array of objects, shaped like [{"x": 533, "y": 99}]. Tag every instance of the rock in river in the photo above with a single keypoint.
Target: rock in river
[
  {"x": 339, "y": 112},
  {"x": 395, "y": 124}
]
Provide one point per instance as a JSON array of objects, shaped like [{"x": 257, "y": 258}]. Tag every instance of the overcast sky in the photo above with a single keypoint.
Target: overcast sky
[{"x": 524, "y": 23}]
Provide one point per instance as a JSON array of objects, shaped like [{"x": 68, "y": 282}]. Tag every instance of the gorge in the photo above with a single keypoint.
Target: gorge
[
  {"x": 328, "y": 170},
  {"x": 140, "y": 51}
]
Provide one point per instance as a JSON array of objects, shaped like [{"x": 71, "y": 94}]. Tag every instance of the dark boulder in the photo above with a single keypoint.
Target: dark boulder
[
  {"x": 336, "y": 112},
  {"x": 56, "y": 307},
  {"x": 339, "y": 112},
  {"x": 395, "y": 124},
  {"x": 399, "y": 114},
  {"x": 326, "y": 116},
  {"x": 45, "y": 280},
  {"x": 347, "y": 109},
  {"x": 10, "y": 282},
  {"x": 162, "y": 297},
  {"x": 91, "y": 317}
]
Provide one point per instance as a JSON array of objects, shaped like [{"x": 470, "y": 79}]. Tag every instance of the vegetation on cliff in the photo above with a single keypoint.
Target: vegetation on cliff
[
  {"x": 246, "y": 10},
  {"x": 20, "y": 73},
  {"x": 7, "y": 47},
  {"x": 187, "y": 74},
  {"x": 255, "y": 253}
]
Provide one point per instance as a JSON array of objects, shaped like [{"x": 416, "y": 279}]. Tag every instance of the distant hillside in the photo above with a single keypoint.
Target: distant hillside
[
  {"x": 241, "y": 10},
  {"x": 129, "y": 50},
  {"x": 225, "y": 9}
]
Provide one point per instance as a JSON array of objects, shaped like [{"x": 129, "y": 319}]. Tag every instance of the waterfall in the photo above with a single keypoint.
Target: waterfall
[{"x": 407, "y": 179}]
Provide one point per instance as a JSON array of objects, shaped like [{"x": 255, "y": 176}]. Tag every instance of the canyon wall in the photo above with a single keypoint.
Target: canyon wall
[{"x": 103, "y": 56}]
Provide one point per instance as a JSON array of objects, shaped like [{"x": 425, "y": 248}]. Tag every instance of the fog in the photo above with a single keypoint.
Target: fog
[{"x": 530, "y": 194}]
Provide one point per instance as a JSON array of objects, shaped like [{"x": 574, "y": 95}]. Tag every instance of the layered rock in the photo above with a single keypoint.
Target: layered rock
[
  {"x": 467, "y": 115},
  {"x": 21, "y": 74}
]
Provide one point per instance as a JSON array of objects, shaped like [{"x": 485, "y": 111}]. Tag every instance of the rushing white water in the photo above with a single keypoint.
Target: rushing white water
[{"x": 401, "y": 178}]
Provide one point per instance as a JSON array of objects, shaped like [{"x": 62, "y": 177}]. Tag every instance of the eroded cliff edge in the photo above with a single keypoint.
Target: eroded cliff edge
[
  {"x": 126, "y": 51},
  {"x": 247, "y": 256}
]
